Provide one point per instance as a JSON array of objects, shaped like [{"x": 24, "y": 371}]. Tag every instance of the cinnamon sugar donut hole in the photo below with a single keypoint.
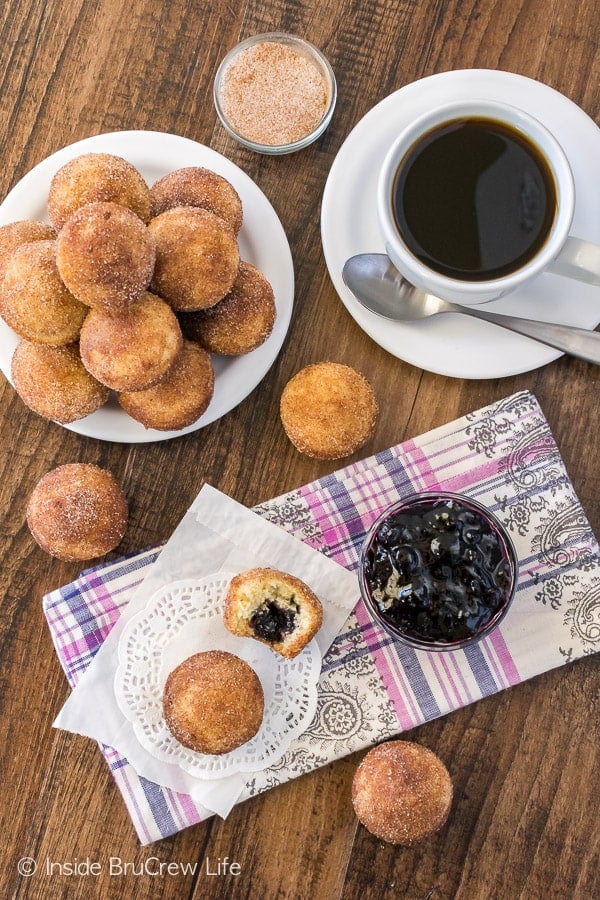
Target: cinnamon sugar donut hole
[
  {"x": 328, "y": 410},
  {"x": 213, "y": 702},
  {"x": 14, "y": 234},
  {"x": 105, "y": 256},
  {"x": 34, "y": 302},
  {"x": 77, "y": 511},
  {"x": 180, "y": 398},
  {"x": 197, "y": 257},
  {"x": 94, "y": 177},
  {"x": 133, "y": 350},
  {"x": 240, "y": 322},
  {"x": 401, "y": 792},
  {"x": 197, "y": 186},
  {"x": 273, "y": 607},
  {"x": 54, "y": 383}
]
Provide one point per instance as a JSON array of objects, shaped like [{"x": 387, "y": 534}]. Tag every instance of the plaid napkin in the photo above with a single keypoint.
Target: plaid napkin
[{"x": 371, "y": 688}]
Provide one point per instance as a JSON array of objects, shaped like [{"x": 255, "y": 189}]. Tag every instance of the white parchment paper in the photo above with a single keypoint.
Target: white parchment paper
[{"x": 217, "y": 534}]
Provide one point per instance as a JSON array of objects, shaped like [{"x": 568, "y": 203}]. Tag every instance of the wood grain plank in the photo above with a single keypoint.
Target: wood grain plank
[{"x": 524, "y": 762}]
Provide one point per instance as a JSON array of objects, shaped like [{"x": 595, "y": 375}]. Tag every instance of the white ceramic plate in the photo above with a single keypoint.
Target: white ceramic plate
[
  {"x": 452, "y": 344},
  {"x": 262, "y": 241}
]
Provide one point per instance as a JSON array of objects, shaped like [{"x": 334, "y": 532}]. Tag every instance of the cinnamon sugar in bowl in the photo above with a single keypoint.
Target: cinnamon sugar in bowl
[{"x": 275, "y": 93}]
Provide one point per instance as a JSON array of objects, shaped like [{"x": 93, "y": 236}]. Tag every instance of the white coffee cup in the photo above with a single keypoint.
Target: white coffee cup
[{"x": 559, "y": 252}]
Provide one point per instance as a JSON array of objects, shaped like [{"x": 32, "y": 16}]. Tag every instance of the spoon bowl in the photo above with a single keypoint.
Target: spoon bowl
[{"x": 378, "y": 286}]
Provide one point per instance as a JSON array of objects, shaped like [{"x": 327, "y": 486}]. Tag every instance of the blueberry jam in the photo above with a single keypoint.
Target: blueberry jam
[
  {"x": 438, "y": 570},
  {"x": 272, "y": 622}
]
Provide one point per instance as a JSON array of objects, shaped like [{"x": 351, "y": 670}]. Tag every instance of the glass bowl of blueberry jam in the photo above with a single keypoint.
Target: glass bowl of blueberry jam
[{"x": 438, "y": 571}]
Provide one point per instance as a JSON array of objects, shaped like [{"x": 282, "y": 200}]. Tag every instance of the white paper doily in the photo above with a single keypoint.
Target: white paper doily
[{"x": 183, "y": 618}]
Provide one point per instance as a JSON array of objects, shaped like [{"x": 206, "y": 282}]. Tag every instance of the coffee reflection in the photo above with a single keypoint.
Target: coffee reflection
[{"x": 474, "y": 199}]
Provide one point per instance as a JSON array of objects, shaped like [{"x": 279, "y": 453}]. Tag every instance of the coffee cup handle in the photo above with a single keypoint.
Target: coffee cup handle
[{"x": 578, "y": 259}]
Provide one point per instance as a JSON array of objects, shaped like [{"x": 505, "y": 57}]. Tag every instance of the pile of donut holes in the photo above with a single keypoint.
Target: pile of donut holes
[{"x": 129, "y": 289}]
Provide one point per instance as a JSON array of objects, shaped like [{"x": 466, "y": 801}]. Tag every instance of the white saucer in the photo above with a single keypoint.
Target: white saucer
[
  {"x": 451, "y": 344},
  {"x": 262, "y": 241}
]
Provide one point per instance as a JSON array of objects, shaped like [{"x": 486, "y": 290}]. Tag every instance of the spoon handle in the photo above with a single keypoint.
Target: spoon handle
[{"x": 575, "y": 341}]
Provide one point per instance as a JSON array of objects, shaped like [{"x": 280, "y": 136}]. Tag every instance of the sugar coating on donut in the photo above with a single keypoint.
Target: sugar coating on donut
[
  {"x": 54, "y": 383},
  {"x": 401, "y": 792},
  {"x": 197, "y": 257},
  {"x": 213, "y": 702},
  {"x": 273, "y": 607},
  {"x": 134, "y": 350},
  {"x": 201, "y": 187},
  {"x": 241, "y": 321},
  {"x": 34, "y": 302},
  {"x": 105, "y": 255},
  {"x": 328, "y": 410},
  {"x": 93, "y": 177},
  {"x": 180, "y": 398},
  {"x": 14, "y": 234},
  {"x": 77, "y": 511}
]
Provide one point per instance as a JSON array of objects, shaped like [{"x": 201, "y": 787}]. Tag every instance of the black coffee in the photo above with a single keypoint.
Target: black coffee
[{"x": 474, "y": 199}]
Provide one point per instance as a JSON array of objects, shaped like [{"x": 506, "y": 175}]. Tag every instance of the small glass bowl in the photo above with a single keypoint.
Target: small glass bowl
[
  {"x": 505, "y": 547},
  {"x": 304, "y": 48}
]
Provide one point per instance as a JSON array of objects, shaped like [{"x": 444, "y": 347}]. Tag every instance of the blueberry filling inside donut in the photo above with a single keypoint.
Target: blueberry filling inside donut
[{"x": 272, "y": 622}]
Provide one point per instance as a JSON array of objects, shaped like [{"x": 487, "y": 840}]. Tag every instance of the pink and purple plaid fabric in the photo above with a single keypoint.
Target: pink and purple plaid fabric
[{"x": 370, "y": 688}]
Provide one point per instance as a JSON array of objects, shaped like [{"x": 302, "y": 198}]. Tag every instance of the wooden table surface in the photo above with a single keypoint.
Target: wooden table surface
[{"x": 524, "y": 763}]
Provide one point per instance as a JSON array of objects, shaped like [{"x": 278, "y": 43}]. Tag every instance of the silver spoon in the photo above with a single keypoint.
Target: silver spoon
[{"x": 380, "y": 288}]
